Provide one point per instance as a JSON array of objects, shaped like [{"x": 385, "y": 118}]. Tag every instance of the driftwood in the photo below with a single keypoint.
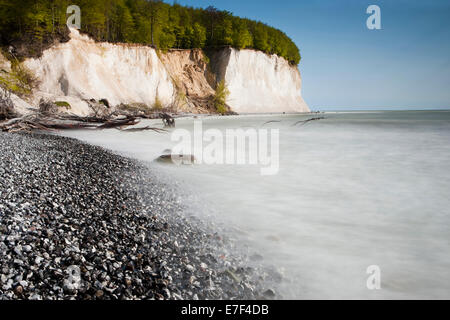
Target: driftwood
[
  {"x": 118, "y": 123},
  {"x": 28, "y": 123},
  {"x": 68, "y": 126},
  {"x": 49, "y": 121},
  {"x": 81, "y": 119},
  {"x": 302, "y": 122},
  {"x": 271, "y": 121},
  {"x": 298, "y": 122},
  {"x": 168, "y": 120},
  {"x": 39, "y": 122},
  {"x": 148, "y": 128}
]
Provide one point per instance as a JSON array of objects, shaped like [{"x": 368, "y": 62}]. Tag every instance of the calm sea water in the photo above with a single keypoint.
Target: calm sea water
[{"x": 353, "y": 190}]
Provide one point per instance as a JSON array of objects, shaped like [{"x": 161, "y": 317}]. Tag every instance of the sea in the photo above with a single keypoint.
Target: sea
[{"x": 357, "y": 207}]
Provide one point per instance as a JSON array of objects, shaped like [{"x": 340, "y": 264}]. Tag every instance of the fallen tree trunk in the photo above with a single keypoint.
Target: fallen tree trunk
[
  {"x": 118, "y": 123},
  {"x": 28, "y": 123},
  {"x": 68, "y": 126},
  {"x": 40, "y": 121},
  {"x": 82, "y": 119},
  {"x": 19, "y": 124}
]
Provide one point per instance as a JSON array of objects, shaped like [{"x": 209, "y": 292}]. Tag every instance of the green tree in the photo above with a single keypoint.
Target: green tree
[
  {"x": 154, "y": 9},
  {"x": 261, "y": 38},
  {"x": 123, "y": 23},
  {"x": 167, "y": 38},
  {"x": 142, "y": 21},
  {"x": 226, "y": 32},
  {"x": 241, "y": 36},
  {"x": 198, "y": 36}
]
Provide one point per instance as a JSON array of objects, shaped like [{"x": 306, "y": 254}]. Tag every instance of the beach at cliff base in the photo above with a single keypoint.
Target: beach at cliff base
[{"x": 79, "y": 222}]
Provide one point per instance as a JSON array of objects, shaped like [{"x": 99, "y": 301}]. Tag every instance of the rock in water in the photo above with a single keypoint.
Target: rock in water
[{"x": 176, "y": 159}]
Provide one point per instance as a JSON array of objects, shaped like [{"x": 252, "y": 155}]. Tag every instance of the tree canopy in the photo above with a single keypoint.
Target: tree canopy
[{"x": 151, "y": 22}]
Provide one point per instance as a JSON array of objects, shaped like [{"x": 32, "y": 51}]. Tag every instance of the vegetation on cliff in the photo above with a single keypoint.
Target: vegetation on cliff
[
  {"x": 220, "y": 97},
  {"x": 16, "y": 77},
  {"x": 150, "y": 22}
]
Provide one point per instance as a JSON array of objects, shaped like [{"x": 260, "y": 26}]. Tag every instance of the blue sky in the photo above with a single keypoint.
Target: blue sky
[{"x": 406, "y": 64}]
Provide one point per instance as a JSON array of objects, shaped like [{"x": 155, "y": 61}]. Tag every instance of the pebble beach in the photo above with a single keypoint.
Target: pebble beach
[{"x": 79, "y": 222}]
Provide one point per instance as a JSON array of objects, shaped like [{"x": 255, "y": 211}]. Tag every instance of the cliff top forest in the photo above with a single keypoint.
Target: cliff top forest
[{"x": 149, "y": 22}]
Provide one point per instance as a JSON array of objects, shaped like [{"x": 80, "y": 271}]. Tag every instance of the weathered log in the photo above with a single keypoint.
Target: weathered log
[
  {"x": 37, "y": 122},
  {"x": 118, "y": 123},
  {"x": 68, "y": 126},
  {"x": 82, "y": 119},
  {"x": 159, "y": 130}
]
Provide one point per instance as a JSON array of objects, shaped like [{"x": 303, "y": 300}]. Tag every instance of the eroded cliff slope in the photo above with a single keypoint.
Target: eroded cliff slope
[{"x": 192, "y": 78}]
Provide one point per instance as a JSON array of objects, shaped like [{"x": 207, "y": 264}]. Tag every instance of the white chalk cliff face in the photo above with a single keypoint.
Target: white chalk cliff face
[
  {"x": 261, "y": 83},
  {"x": 82, "y": 69}
]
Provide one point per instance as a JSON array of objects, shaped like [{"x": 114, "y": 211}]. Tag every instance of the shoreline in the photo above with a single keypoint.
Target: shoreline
[{"x": 80, "y": 222}]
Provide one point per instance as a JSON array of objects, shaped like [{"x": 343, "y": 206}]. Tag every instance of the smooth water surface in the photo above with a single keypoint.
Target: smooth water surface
[{"x": 353, "y": 190}]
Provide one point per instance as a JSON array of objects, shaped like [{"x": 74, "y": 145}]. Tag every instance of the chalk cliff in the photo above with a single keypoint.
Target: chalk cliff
[
  {"x": 258, "y": 82},
  {"x": 81, "y": 69}
]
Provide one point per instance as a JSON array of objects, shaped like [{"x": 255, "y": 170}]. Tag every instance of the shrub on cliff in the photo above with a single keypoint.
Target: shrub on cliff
[
  {"x": 18, "y": 80},
  {"x": 25, "y": 77},
  {"x": 63, "y": 104},
  {"x": 220, "y": 97},
  {"x": 157, "y": 105}
]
